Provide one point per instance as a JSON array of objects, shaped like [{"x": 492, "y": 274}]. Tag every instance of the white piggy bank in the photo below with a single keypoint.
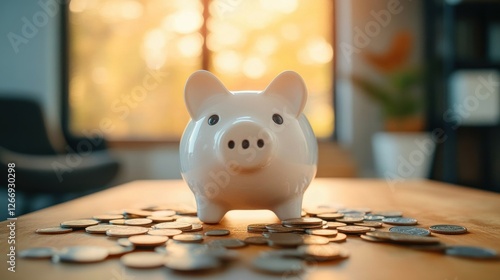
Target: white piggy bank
[{"x": 247, "y": 149}]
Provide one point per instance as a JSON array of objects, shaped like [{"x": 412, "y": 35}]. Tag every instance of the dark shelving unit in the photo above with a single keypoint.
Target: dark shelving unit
[{"x": 458, "y": 37}]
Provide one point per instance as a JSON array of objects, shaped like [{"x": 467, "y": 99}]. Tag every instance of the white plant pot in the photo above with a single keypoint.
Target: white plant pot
[{"x": 403, "y": 155}]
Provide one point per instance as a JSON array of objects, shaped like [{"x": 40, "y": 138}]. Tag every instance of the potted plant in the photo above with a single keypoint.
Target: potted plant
[{"x": 397, "y": 152}]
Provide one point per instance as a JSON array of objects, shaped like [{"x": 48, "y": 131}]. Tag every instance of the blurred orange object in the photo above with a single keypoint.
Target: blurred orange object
[{"x": 395, "y": 56}]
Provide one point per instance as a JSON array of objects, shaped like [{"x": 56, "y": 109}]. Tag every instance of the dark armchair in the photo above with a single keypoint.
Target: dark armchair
[{"x": 40, "y": 169}]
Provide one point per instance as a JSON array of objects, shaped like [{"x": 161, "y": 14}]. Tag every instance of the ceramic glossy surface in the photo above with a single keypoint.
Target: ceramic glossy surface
[{"x": 247, "y": 149}]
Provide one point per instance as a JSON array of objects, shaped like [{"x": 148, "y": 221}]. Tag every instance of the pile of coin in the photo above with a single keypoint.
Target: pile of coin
[{"x": 173, "y": 237}]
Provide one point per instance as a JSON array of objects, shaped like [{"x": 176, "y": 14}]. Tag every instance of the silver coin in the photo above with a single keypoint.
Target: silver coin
[
  {"x": 194, "y": 227},
  {"x": 285, "y": 240},
  {"x": 217, "y": 232},
  {"x": 191, "y": 263},
  {"x": 256, "y": 240},
  {"x": 351, "y": 219},
  {"x": 81, "y": 254},
  {"x": 471, "y": 252},
  {"x": 37, "y": 253},
  {"x": 374, "y": 218},
  {"x": 188, "y": 238},
  {"x": 389, "y": 214},
  {"x": 448, "y": 229},
  {"x": 369, "y": 224},
  {"x": 278, "y": 265},
  {"x": 77, "y": 224},
  {"x": 126, "y": 231},
  {"x": 99, "y": 228},
  {"x": 228, "y": 243},
  {"x": 117, "y": 250},
  {"x": 53, "y": 230},
  {"x": 143, "y": 260},
  {"x": 411, "y": 230},
  {"x": 400, "y": 221}
]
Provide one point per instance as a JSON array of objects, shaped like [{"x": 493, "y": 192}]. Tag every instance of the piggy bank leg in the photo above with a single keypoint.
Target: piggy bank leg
[
  {"x": 211, "y": 213},
  {"x": 289, "y": 209}
]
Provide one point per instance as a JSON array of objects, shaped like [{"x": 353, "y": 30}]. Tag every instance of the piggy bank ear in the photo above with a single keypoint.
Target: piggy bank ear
[
  {"x": 201, "y": 86},
  {"x": 291, "y": 87}
]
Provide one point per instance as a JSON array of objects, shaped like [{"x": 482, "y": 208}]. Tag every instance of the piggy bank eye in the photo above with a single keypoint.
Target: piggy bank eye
[
  {"x": 278, "y": 119},
  {"x": 213, "y": 119}
]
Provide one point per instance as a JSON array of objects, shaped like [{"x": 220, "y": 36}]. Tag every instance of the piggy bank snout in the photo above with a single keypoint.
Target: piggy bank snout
[{"x": 246, "y": 147}]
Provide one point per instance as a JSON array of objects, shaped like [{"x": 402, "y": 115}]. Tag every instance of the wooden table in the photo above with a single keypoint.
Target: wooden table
[{"x": 429, "y": 202}]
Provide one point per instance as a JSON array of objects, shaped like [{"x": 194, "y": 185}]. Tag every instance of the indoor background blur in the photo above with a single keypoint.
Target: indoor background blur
[{"x": 397, "y": 89}]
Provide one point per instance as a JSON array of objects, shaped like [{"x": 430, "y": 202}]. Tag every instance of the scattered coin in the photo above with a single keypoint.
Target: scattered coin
[
  {"x": 163, "y": 213},
  {"x": 38, "y": 253},
  {"x": 117, "y": 222},
  {"x": 188, "y": 238},
  {"x": 165, "y": 232},
  {"x": 389, "y": 214},
  {"x": 403, "y": 238},
  {"x": 99, "y": 228},
  {"x": 369, "y": 224},
  {"x": 191, "y": 263},
  {"x": 217, "y": 232},
  {"x": 228, "y": 243},
  {"x": 351, "y": 220},
  {"x": 302, "y": 221},
  {"x": 340, "y": 237},
  {"x": 118, "y": 250},
  {"x": 256, "y": 228},
  {"x": 334, "y": 225},
  {"x": 315, "y": 240},
  {"x": 448, "y": 229},
  {"x": 319, "y": 210},
  {"x": 330, "y": 216},
  {"x": 194, "y": 227},
  {"x": 371, "y": 238},
  {"x": 323, "y": 252},
  {"x": 471, "y": 252},
  {"x": 411, "y": 230},
  {"x": 124, "y": 242},
  {"x": 81, "y": 254},
  {"x": 159, "y": 219},
  {"x": 173, "y": 225},
  {"x": 355, "y": 210},
  {"x": 148, "y": 240},
  {"x": 107, "y": 217},
  {"x": 400, "y": 221},
  {"x": 285, "y": 240},
  {"x": 138, "y": 222},
  {"x": 322, "y": 232},
  {"x": 143, "y": 260},
  {"x": 353, "y": 229},
  {"x": 138, "y": 212},
  {"x": 126, "y": 231},
  {"x": 373, "y": 218},
  {"x": 53, "y": 230},
  {"x": 189, "y": 220},
  {"x": 256, "y": 240},
  {"x": 77, "y": 224},
  {"x": 278, "y": 265}
]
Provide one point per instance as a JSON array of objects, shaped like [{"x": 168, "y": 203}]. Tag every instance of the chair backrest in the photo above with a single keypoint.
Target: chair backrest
[{"x": 22, "y": 126}]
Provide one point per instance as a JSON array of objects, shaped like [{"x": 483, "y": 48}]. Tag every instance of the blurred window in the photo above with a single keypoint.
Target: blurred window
[{"x": 129, "y": 59}]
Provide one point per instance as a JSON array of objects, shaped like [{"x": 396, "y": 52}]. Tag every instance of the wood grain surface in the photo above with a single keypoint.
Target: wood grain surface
[{"x": 429, "y": 202}]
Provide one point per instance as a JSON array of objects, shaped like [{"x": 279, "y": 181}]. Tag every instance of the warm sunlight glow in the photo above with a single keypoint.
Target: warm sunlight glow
[{"x": 129, "y": 59}]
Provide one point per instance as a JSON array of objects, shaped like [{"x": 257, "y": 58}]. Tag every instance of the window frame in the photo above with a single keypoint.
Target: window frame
[{"x": 64, "y": 66}]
